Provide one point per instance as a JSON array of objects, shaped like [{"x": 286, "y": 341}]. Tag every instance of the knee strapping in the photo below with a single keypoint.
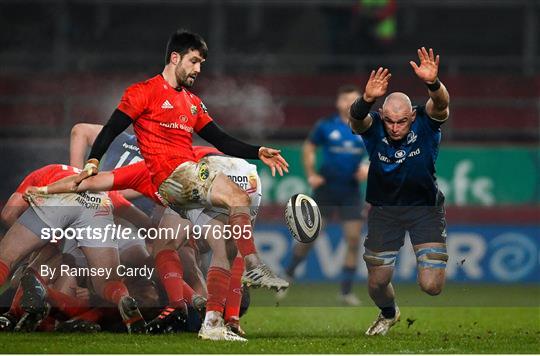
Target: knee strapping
[
  {"x": 385, "y": 258},
  {"x": 432, "y": 257}
]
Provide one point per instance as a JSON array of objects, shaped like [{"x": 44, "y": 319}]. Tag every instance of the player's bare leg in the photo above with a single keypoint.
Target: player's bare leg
[
  {"x": 227, "y": 194},
  {"x": 380, "y": 270},
  {"x": 18, "y": 242},
  {"x": 113, "y": 289},
  {"x": 352, "y": 230},
  {"x": 431, "y": 259},
  {"x": 192, "y": 273}
]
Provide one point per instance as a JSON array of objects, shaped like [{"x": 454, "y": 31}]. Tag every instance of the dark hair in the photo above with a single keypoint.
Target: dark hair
[
  {"x": 182, "y": 41},
  {"x": 348, "y": 88}
]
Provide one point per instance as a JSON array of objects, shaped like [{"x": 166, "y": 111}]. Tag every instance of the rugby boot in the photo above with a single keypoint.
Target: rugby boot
[
  {"x": 131, "y": 315},
  {"x": 218, "y": 332},
  {"x": 381, "y": 325},
  {"x": 263, "y": 276},
  {"x": 7, "y": 322},
  {"x": 349, "y": 299},
  {"x": 233, "y": 324},
  {"x": 33, "y": 302},
  {"x": 199, "y": 304},
  {"x": 170, "y": 320}
]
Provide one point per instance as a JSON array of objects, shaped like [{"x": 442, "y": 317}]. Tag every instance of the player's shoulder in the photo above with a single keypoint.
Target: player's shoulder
[
  {"x": 192, "y": 96},
  {"x": 145, "y": 86},
  {"x": 326, "y": 122}
]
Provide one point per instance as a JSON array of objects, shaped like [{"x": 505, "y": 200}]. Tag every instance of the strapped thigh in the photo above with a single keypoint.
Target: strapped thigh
[
  {"x": 432, "y": 257},
  {"x": 385, "y": 258}
]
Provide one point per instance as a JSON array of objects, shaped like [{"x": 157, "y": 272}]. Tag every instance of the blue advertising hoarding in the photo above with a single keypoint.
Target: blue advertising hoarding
[{"x": 504, "y": 254}]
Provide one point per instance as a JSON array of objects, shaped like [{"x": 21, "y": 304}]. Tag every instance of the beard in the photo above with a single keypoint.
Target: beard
[{"x": 183, "y": 79}]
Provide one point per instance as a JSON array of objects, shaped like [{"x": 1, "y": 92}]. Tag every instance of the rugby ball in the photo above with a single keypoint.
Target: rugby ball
[{"x": 303, "y": 218}]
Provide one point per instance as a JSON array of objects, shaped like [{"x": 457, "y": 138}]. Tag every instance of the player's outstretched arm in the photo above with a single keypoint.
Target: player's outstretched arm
[
  {"x": 98, "y": 183},
  {"x": 376, "y": 87},
  {"x": 236, "y": 148},
  {"x": 437, "y": 106},
  {"x": 118, "y": 122},
  {"x": 82, "y": 136}
]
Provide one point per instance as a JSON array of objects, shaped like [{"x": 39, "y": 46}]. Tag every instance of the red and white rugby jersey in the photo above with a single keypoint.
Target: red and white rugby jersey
[
  {"x": 164, "y": 120},
  {"x": 47, "y": 175}
]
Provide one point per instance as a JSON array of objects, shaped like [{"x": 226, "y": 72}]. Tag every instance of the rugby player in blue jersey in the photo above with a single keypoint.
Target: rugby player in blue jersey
[
  {"x": 336, "y": 184},
  {"x": 403, "y": 143}
]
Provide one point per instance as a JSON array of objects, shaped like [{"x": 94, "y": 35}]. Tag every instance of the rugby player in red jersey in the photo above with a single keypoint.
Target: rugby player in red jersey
[
  {"x": 165, "y": 115},
  {"x": 39, "y": 213},
  {"x": 136, "y": 176}
]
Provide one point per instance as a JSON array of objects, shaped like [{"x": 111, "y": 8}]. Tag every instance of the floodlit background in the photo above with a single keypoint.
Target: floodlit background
[{"x": 272, "y": 72}]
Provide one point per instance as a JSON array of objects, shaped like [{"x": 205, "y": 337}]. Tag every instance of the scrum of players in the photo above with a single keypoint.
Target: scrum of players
[{"x": 47, "y": 292}]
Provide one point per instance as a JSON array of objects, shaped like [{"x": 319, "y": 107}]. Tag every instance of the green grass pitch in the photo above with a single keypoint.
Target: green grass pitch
[{"x": 466, "y": 318}]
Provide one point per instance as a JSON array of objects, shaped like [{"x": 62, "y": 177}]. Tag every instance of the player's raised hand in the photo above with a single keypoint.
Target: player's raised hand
[
  {"x": 273, "y": 159},
  {"x": 90, "y": 169},
  {"x": 377, "y": 84},
  {"x": 429, "y": 65}
]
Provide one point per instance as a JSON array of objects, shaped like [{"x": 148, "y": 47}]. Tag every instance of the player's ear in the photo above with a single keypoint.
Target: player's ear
[
  {"x": 175, "y": 58},
  {"x": 413, "y": 116}
]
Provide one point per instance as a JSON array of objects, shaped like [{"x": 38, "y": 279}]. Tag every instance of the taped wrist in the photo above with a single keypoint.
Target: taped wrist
[
  {"x": 90, "y": 165},
  {"x": 42, "y": 190},
  {"x": 434, "y": 86},
  {"x": 360, "y": 108}
]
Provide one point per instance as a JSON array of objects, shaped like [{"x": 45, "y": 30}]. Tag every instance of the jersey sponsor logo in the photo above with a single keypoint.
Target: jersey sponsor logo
[
  {"x": 400, "y": 154},
  {"x": 176, "y": 126},
  {"x": 88, "y": 201},
  {"x": 183, "y": 118},
  {"x": 204, "y": 173},
  {"x": 411, "y": 137},
  {"x": 384, "y": 158},
  {"x": 335, "y": 135},
  {"x": 414, "y": 153},
  {"x": 194, "y": 110},
  {"x": 167, "y": 105}
]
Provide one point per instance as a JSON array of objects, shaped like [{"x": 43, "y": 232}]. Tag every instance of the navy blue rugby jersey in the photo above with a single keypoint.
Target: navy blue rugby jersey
[
  {"x": 342, "y": 151},
  {"x": 124, "y": 151},
  {"x": 402, "y": 173}
]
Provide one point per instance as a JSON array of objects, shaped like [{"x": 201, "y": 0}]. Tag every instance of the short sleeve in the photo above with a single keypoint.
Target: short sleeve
[
  {"x": 134, "y": 101},
  {"x": 316, "y": 136},
  {"x": 434, "y": 125},
  {"x": 203, "y": 118},
  {"x": 372, "y": 135},
  {"x": 30, "y": 180}
]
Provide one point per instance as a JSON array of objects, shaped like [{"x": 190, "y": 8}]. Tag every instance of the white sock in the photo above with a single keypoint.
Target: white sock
[{"x": 212, "y": 318}]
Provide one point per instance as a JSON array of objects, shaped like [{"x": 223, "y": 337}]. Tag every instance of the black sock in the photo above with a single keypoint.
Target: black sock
[
  {"x": 296, "y": 260},
  {"x": 348, "y": 278},
  {"x": 388, "y": 312}
]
